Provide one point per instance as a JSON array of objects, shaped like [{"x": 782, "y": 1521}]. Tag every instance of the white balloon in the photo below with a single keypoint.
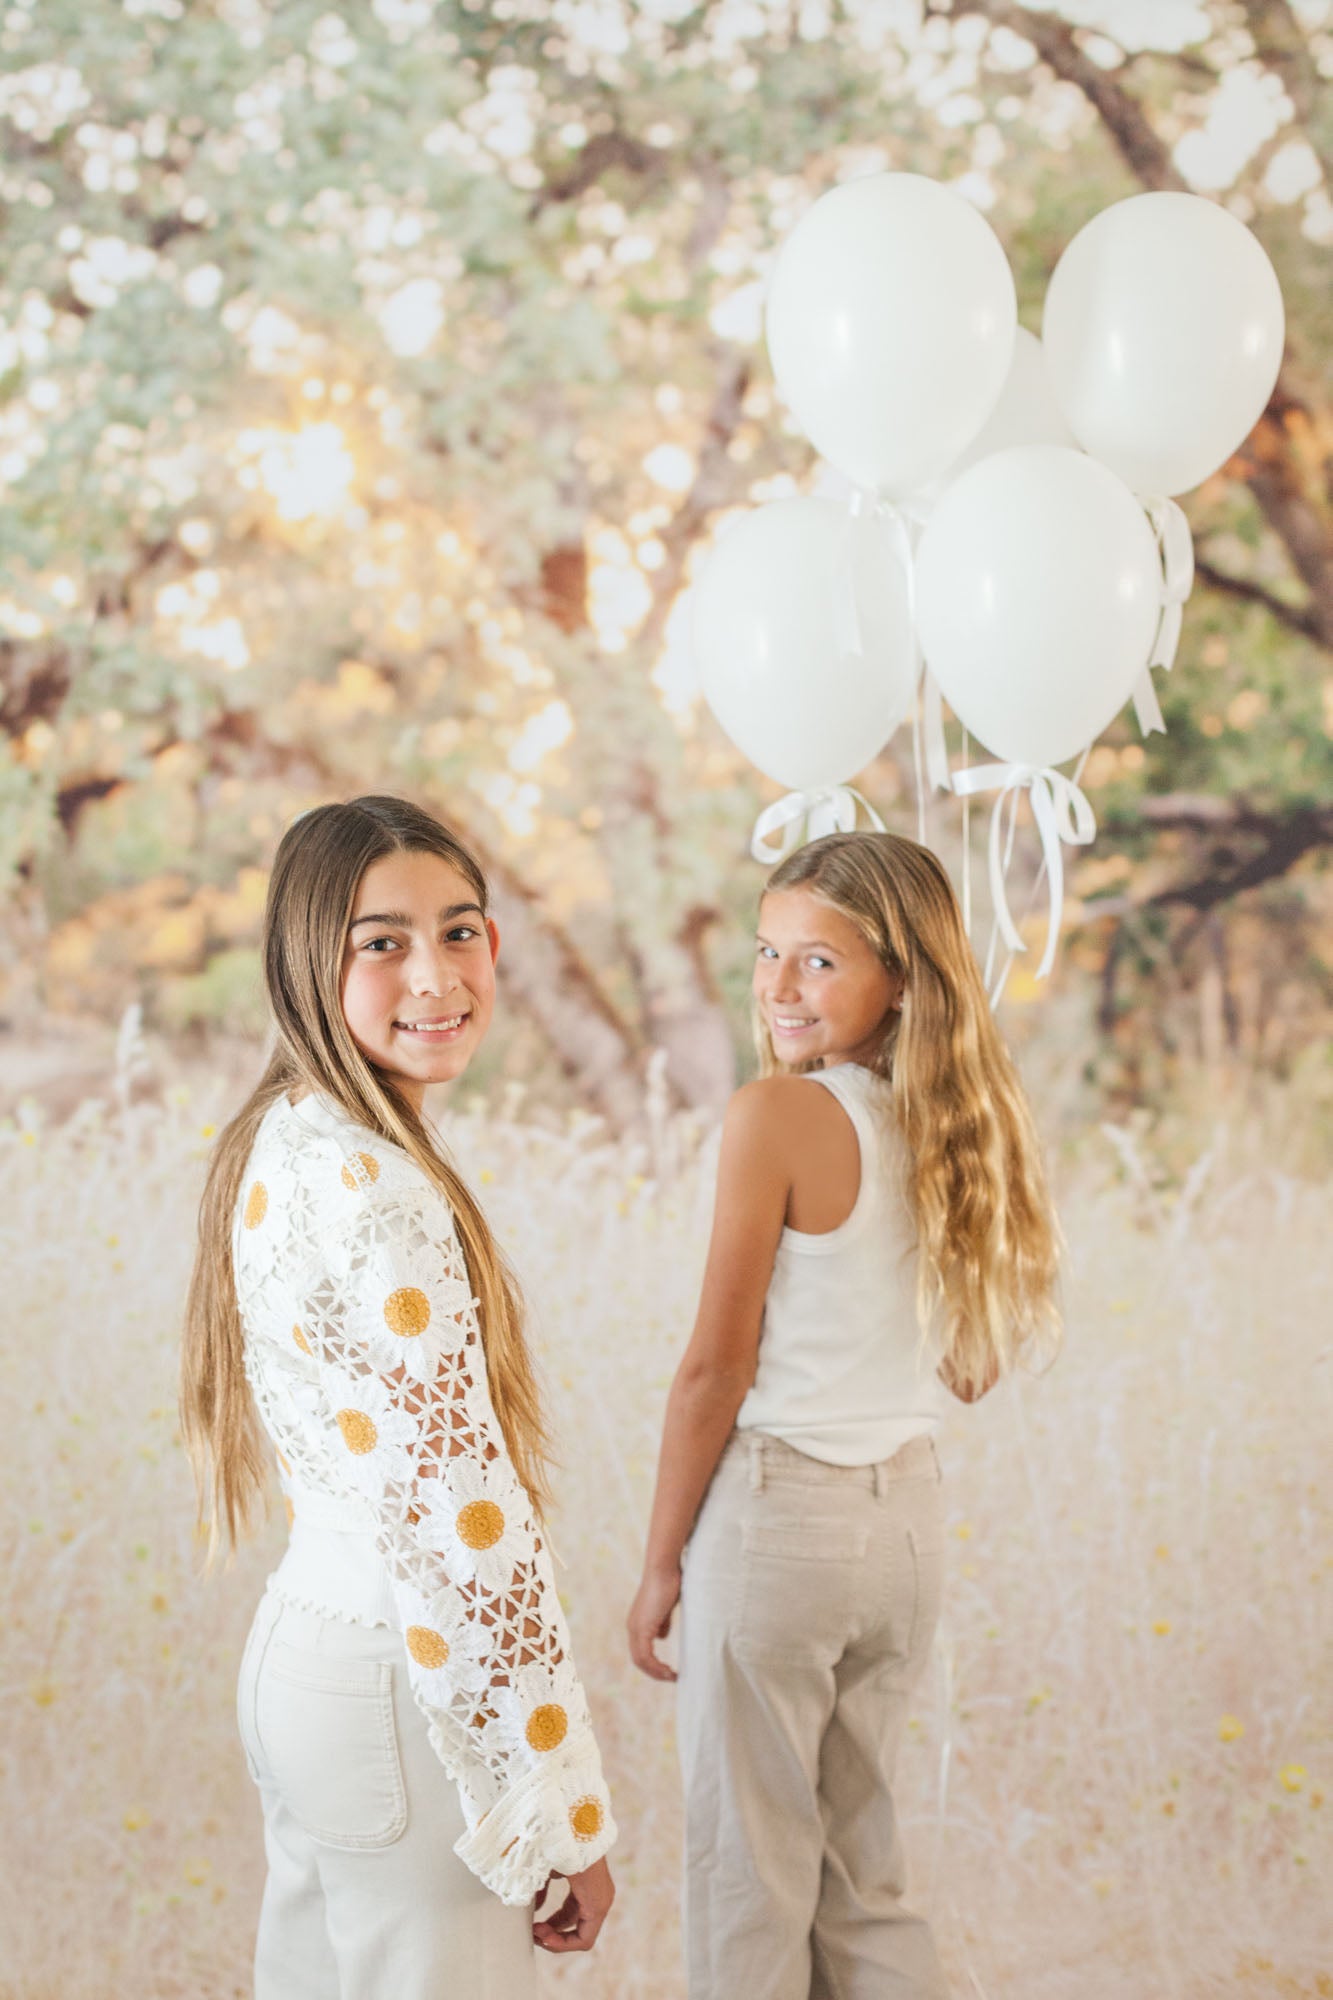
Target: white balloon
[
  {"x": 890, "y": 321},
  {"x": 1038, "y": 588},
  {"x": 803, "y": 635},
  {"x": 1163, "y": 331},
  {"x": 1027, "y": 412}
]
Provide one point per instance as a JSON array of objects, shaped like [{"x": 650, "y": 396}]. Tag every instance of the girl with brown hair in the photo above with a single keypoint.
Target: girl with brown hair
[
  {"x": 878, "y": 1238},
  {"x": 408, "y": 1701}
]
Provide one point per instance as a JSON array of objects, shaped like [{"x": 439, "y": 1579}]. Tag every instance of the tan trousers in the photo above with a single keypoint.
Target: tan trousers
[
  {"x": 809, "y": 1602},
  {"x": 365, "y": 1897}
]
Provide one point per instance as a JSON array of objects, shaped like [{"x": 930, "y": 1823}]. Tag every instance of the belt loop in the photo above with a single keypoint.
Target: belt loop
[
  {"x": 756, "y": 1463},
  {"x": 881, "y": 1473}
]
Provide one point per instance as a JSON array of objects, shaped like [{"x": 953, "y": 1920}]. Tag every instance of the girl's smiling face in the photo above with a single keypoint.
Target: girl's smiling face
[
  {"x": 823, "y": 991},
  {"x": 418, "y": 979}
]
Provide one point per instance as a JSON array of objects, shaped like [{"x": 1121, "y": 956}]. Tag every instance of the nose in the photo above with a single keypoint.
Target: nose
[
  {"x": 431, "y": 974},
  {"x": 780, "y": 981}
]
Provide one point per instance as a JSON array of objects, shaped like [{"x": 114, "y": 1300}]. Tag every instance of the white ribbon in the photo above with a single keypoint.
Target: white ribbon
[
  {"x": 932, "y": 716},
  {"x": 832, "y": 809},
  {"x": 1176, "y": 547},
  {"x": 1063, "y": 815}
]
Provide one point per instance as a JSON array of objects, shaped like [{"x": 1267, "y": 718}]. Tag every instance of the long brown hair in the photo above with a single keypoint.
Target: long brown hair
[
  {"x": 986, "y": 1232},
  {"x": 312, "y": 892}
]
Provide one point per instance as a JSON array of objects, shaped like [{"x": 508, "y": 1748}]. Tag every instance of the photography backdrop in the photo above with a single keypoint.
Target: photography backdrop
[{"x": 371, "y": 384}]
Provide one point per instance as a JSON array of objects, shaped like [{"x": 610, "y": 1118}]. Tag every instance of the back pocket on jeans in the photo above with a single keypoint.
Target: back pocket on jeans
[
  {"x": 328, "y": 1734},
  {"x": 797, "y": 1541}
]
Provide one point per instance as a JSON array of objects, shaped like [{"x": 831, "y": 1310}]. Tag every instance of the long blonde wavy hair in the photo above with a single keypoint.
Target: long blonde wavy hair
[
  {"x": 312, "y": 893},
  {"x": 986, "y": 1232}
]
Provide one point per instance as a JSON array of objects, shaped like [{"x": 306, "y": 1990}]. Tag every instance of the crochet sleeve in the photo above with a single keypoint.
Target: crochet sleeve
[{"x": 390, "y": 1320}]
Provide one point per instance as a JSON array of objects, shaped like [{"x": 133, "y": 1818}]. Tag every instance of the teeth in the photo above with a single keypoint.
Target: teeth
[
  {"x": 432, "y": 1027},
  {"x": 790, "y": 1021}
]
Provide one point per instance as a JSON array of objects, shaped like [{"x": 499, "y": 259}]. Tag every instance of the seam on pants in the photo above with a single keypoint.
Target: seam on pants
[
  {"x": 914, "y": 1628},
  {"x": 252, "y": 1666}
]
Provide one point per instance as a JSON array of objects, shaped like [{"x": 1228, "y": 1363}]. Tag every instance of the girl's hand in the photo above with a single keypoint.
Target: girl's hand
[
  {"x": 650, "y": 1619},
  {"x": 574, "y": 1926}
]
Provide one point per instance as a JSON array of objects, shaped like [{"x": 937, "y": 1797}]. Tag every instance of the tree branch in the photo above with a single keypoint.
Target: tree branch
[
  {"x": 1295, "y": 617},
  {"x": 604, "y": 152},
  {"x": 1282, "y": 46},
  {"x": 1145, "y": 154},
  {"x": 713, "y": 485},
  {"x": 1277, "y": 841}
]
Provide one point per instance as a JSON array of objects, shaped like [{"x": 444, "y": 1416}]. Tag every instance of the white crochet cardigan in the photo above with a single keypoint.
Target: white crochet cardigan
[{"x": 363, "y": 1351}]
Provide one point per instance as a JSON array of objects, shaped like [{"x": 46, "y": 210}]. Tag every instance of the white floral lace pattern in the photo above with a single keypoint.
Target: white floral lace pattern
[{"x": 364, "y": 1355}]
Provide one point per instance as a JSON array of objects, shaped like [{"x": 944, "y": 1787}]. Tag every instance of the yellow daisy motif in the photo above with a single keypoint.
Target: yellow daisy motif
[
  {"x": 428, "y": 1647},
  {"x": 542, "y": 1707},
  {"x": 362, "y": 1170},
  {"x": 407, "y": 1312},
  {"x": 359, "y": 1432},
  {"x": 547, "y": 1727},
  {"x": 480, "y": 1524},
  {"x": 443, "y": 1648},
  {"x": 256, "y": 1205},
  {"x": 402, "y": 1310},
  {"x": 477, "y": 1520},
  {"x": 587, "y": 1817},
  {"x": 376, "y": 1432}
]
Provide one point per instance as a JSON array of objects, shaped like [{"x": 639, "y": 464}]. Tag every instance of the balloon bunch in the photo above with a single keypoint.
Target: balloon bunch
[{"x": 1010, "y": 516}]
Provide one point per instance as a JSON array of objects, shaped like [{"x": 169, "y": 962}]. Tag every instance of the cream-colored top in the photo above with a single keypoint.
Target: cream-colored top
[
  {"x": 843, "y": 1374},
  {"x": 364, "y": 1354}
]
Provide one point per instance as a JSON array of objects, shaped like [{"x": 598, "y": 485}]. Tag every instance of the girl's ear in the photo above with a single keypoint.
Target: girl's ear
[{"x": 493, "y": 933}]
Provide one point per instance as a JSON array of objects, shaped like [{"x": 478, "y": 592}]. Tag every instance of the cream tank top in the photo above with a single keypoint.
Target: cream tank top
[{"x": 843, "y": 1373}]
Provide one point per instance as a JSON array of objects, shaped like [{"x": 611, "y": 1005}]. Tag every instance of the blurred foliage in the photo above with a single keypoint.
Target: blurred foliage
[{"x": 369, "y": 384}]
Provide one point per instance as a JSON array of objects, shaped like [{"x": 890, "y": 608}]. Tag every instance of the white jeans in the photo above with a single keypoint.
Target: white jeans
[
  {"x": 365, "y": 1897},
  {"x": 809, "y": 1602}
]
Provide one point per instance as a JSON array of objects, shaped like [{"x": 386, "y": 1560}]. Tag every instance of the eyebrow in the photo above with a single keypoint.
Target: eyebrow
[
  {"x": 803, "y": 944},
  {"x": 400, "y": 920}
]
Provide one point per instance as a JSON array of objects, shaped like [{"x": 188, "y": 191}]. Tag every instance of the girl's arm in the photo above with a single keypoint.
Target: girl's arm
[
  {"x": 753, "y": 1184},
  {"x": 385, "y": 1328}
]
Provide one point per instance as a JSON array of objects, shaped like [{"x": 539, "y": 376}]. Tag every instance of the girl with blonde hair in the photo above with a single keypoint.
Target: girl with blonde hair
[
  {"x": 882, "y": 1234},
  {"x": 408, "y": 1702}
]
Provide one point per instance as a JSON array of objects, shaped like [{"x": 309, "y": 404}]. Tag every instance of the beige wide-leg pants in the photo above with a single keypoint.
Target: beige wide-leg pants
[
  {"x": 365, "y": 1897},
  {"x": 809, "y": 1601}
]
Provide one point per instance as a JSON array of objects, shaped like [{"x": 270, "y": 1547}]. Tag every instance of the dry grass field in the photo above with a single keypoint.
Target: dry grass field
[{"x": 1119, "y": 1779}]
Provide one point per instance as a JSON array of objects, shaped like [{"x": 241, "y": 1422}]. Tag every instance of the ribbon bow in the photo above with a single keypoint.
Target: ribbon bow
[
  {"x": 832, "y": 809},
  {"x": 1062, "y": 813}
]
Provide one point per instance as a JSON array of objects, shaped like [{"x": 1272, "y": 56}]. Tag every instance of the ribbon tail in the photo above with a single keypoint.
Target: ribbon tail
[
  {"x": 1177, "y": 553},
  {"x": 1147, "y": 708},
  {"x": 999, "y": 899},
  {"x": 1043, "y": 811},
  {"x": 1168, "y": 637}
]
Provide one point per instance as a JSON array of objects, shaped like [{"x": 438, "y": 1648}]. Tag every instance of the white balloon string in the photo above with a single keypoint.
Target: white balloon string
[
  {"x": 802, "y": 816},
  {"x": 937, "y": 748},
  {"x": 848, "y": 638},
  {"x": 919, "y": 771},
  {"x": 997, "y": 991},
  {"x": 967, "y": 845}
]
